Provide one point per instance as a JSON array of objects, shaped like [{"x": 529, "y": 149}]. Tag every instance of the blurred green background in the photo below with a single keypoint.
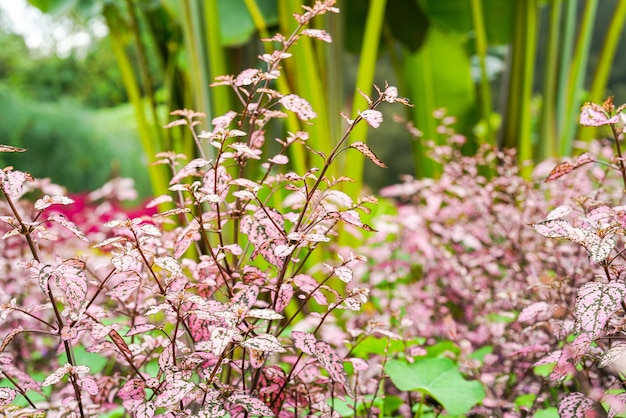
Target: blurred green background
[{"x": 512, "y": 73}]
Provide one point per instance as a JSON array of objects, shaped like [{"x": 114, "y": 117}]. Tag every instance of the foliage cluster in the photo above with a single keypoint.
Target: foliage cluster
[{"x": 539, "y": 323}]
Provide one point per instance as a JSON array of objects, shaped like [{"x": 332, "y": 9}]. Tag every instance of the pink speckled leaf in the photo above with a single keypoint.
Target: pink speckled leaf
[
  {"x": 333, "y": 364},
  {"x": 138, "y": 329},
  {"x": 285, "y": 293},
  {"x": 299, "y": 106},
  {"x": 253, "y": 405},
  {"x": 365, "y": 150},
  {"x": 9, "y": 148},
  {"x": 174, "y": 392},
  {"x": 595, "y": 304},
  {"x": 593, "y": 114},
  {"x": 264, "y": 342},
  {"x": 304, "y": 341},
  {"x": 571, "y": 355},
  {"x": 373, "y": 117},
  {"x": 7, "y": 395},
  {"x": 575, "y": 405},
  {"x": 69, "y": 225}
]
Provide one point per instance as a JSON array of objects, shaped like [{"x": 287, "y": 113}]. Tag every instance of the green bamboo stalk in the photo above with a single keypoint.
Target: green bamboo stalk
[
  {"x": 353, "y": 165},
  {"x": 481, "y": 51},
  {"x": 144, "y": 71},
  {"x": 605, "y": 62},
  {"x": 304, "y": 76},
  {"x": 547, "y": 146},
  {"x": 576, "y": 79},
  {"x": 158, "y": 178},
  {"x": 525, "y": 145},
  {"x": 518, "y": 120},
  {"x": 565, "y": 57},
  {"x": 193, "y": 13},
  {"x": 421, "y": 90},
  {"x": 216, "y": 58}
]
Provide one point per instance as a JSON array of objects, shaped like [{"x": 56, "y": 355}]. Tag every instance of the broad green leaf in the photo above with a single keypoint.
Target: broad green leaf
[
  {"x": 236, "y": 25},
  {"x": 439, "y": 378},
  {"x": 547, "y": 413},
  {"x": 439, "y": 75},
  {"x": 54, "y": 6},
  {"x": 455, "y": 16}
]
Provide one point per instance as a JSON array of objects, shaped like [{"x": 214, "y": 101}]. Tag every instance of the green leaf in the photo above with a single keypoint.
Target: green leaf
[
  {"x": 54, "y": 6},
  {"x": 455, "y": 16},
  {"x": 547, "y": 413},
  {"x": 439, "y": 378},
  {"x": 236, "y": 25},
  {"x": 441, "y": 347}
]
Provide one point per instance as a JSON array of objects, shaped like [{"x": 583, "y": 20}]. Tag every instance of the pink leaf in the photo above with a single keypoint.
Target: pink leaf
[
  {"x": 12, "y": 182},
  {"x": 614, "y": 356},
  {"x": 373, "y": 117},
  {"x": 9, "y": 148},
  {"x": 304, "y": 341},
  {"x": 557, "y": 229},
  {"x": 575, "y": 405},
  {"x": 145, "y": 410},
  {"x": 186, "y": 238},
  {"x": 269, "y": 314},
  {"x": 7, "y": 395},
  {"x": 531, "y": 312},
  {"x": 571, "y": 355},
  {"x": 220, "y": 338},
  {"x": 245, "y": 78},
  {"x": 279, "y": 159},
  {"x": 559, "y": 171},
  {"x": 595, "y": 304},
  {"x": 190, "y": 169},
  {"x": 253, "y": 405},
  {"x": 48, "y": 201},
  {"x": 333, "y": 364},
  {"x": 365, "y": 150},
  {"x": 132, "y": 392},
  {"x": 246, "y": 297},
  {"x": 584, "y": 158},
  {"x": 71, "y": 226},
  {"x": 175, "y": 391},
  {"x": 125, "y": 288},
  {"x": 308, "y": 285},
  {"x": 89, "y": 385},
  {"x": 139, "y": 329},
  {"x": 599, "y": 248},
  {"x": 73, "y": 282},
  {"x": 616, "y": 403},
  {"x": 593, "y": 114},
  {"x": 344, "y": 273},
  {"x": 164, "y": 198},
  {"x": 57, "y": 375},
  {"x": 264, "y": 342},
  {"x": 284, "y": 296},
  {"x": 299, "y": 106},
  {"x": 559, "y": 212},
  {"x": 322, "y": 35}
]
